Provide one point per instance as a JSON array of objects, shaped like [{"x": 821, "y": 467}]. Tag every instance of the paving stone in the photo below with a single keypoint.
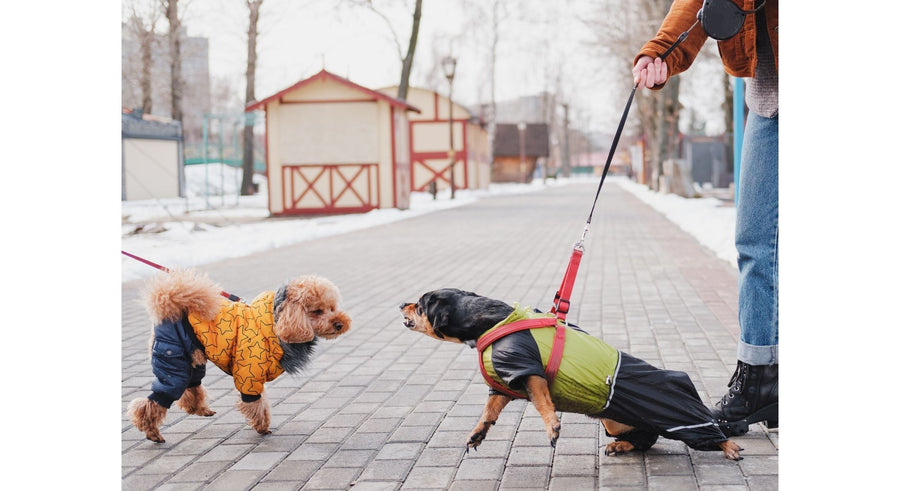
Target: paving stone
[
  {"x": 574, "y": 465},
  {"x": 523, "y": 456},
  {"x": 350, "y": 458},
  {"x": 481, "y": 469},
  {"x": 530, "y": 477},
  {"x": 672, "y": 483},
  {"x": 293, "y": 472},
  {"x": 383, "y": 470},
  {"x": 567, "y": 483},
  {"x": 259, "y": 460},
  {"x": 422, "y": 477},
  {"x": 332, "y": 478}
]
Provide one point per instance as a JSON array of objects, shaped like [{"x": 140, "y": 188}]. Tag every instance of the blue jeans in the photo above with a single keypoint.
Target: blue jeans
[{"x": 756, "y": 240}]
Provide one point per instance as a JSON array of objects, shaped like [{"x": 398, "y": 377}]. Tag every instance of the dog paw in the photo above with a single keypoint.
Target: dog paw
[
  {"x": 475, "y": 439},
  {"x": 731, "y": 450},
  {"x": 553, "y": 433},
  {"x": 478, "y": 434},
  {"x": 155, "y": 436},
  {"x": 205, "y": 412},
  {"x": 618, "y": 447}
]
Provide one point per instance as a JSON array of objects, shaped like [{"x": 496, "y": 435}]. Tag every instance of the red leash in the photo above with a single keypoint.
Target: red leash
[{"x": 229, "y": 296}]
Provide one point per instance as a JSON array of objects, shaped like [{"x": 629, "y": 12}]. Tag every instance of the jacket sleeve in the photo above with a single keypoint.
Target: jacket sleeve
[
  {"x": 516, "y": 357},
  {"x": 251, "y": 357},
  {"x": 170, "y": 362},
  {"x": 681, "y": 16}
]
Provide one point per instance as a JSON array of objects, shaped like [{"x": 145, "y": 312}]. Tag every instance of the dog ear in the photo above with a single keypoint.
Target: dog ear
[
  {"x": 435, "y": 308},
  {"x": 441, "y": 322},
  {"x": 293, "y": 325}
]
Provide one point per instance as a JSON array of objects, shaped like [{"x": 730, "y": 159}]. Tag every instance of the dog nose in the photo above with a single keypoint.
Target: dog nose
[
  {"x": 338, "y": 326},
  {"x": 403, "y": 305}
]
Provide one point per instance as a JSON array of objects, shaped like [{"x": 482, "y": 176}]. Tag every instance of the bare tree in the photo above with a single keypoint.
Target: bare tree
[
  {"x": 410, "y": 53},
  {"x": 142, "y": 23},
  {"x": 250, "y": 97},
  {"x": 495, "y": 40},
  {"x": 170, "y": 7},
  {"x": 405, "y": 60},
  {"x": 621, "y": 27}
]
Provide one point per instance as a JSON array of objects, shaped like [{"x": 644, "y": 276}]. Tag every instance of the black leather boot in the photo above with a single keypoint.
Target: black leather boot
[{"x": 752, "y": 397}]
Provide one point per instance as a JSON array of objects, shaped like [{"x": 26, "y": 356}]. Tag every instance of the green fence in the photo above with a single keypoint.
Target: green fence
[{"x": 223, "y": 142}]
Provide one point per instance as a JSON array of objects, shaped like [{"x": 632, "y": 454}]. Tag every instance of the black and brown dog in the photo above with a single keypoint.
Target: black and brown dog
[{"x": 635, "y": 401}]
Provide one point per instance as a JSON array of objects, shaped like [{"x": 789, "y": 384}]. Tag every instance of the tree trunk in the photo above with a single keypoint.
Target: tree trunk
[
  {"x": 175, "y": 56},
  {"x": 249, "y": 98},
  {"x": 668, "y": 109},
  {"x": 492, "y": 117},
  {"x": 144, "y": 31},
  {"x": 146, "y": 40},
  {"x": 410, "y": 53}
]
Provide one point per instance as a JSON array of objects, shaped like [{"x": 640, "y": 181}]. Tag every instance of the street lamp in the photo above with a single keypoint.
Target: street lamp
[
  {"x": 522, "y": 167},
  {"x": 449, "y": 66}
]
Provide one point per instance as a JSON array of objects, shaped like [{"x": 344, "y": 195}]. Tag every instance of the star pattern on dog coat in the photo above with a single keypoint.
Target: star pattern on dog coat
[{"x": 241, "y": 341}]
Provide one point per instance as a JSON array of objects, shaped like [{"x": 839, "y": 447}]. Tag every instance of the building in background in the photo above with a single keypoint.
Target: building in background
[
  {"x": 152, "y": 160},
  {"x": 333, "y": 146},
  {"x": 429, "y": 137},
  {"x": 519, "y": 150}
]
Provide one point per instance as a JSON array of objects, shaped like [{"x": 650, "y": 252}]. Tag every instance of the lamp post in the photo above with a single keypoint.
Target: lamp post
[
  {"x": 449, "y": 66},
  {"x": 522, "y": 167}
]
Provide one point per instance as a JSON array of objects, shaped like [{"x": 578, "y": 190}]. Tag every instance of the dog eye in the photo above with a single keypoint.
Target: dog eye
[
  {"x": 419, "y": 310},
  {"x": 316, "y": 312}
]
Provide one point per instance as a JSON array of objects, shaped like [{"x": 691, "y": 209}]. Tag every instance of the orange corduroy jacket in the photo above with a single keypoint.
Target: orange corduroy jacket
[{"x": 738, "y": 53}]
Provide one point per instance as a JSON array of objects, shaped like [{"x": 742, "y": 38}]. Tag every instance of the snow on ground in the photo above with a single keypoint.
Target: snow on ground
[
  {"x": 205, "y": 228},
  {"x": 706, "y": 219}
]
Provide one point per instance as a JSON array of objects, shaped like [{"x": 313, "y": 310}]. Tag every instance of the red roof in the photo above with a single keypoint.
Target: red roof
[{"x": 326, "y": 75}]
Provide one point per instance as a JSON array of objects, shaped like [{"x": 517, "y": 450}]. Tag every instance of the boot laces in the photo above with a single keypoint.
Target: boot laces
[{"x": 738, "y": 379}]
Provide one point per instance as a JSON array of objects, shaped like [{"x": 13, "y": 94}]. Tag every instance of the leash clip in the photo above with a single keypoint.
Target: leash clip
[{"x": 580, "y": 244}]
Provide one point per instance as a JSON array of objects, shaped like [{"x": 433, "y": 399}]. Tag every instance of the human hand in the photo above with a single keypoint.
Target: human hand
[{"x": 649, "y": 72}]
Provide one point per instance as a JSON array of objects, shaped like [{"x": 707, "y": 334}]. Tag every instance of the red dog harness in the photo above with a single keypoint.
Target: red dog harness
[
  {"x": 560, "y": 309},
  {"x": 556, "y": 352}
]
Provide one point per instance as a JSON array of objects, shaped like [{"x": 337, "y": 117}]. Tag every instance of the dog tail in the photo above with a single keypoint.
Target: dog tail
[{"x": 168, "y": 296}]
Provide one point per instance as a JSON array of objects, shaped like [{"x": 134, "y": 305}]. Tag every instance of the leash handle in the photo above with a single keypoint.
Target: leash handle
[
  {"x": 615, "y": 143},
  {"x": 229, "y": 296}
]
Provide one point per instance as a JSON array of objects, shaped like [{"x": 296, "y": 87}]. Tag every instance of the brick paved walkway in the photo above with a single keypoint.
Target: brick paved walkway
[{"x": 384, "y": 408}]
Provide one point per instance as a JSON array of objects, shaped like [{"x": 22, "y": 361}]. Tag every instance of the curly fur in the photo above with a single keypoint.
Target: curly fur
[
  {"x": 296, "y": 355},
  {"x": 146, "y": 416},
  {"x": 193, "y": 401},
  {"x": 257, "y": 414},
  {"x": 310, "y": 309},
  {"x": 168, "y": 296}
]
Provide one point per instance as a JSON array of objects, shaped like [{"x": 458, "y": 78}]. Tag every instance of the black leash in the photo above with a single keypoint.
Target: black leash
[
  {"x": 615, "y": 142},
  {"x": 561, "y": 302}
]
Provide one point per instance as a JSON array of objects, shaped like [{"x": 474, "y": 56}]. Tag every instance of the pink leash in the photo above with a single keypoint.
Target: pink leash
[{"x": 229, "y": 296}]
